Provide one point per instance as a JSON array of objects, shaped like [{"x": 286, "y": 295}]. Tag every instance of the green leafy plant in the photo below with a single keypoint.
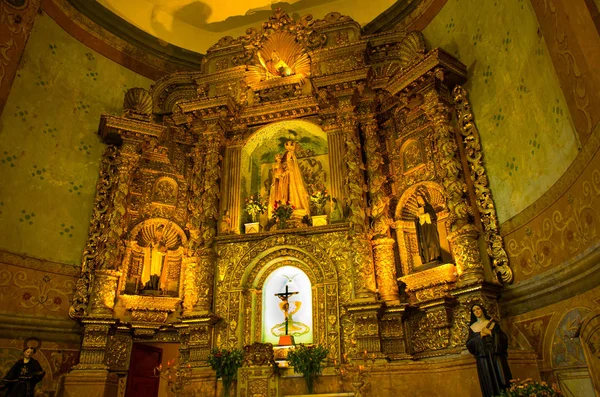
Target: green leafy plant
[
  {"x": 282, "y": 212},
  {"x": 226, "y": 363},
  {"x": 319, "y": 197},
  {"x": 308, "y": 361},
  {"x": 529, "y": 387},
  {"x": 254, "y": 206}
]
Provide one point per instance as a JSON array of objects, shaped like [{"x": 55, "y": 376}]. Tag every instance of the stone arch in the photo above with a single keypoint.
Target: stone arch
[
  {"x": 590, "y": 339},
  {"x": 175, "y": 241},
  {"x": 567, "y": 355},
  {"x": 283, "y": 245},
  {"x": 434, "y": 192}
]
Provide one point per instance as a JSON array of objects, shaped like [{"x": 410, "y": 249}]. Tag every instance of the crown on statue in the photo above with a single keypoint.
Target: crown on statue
[{"x": 290, "y": 145}]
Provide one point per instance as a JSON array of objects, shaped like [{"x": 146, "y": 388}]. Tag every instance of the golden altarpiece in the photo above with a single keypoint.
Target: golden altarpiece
[{"x": 379, "y": 121}]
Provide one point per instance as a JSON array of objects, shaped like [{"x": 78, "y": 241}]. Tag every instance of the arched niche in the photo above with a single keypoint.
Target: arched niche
[
  {"x": 258, "y": 157},
  {"x": 406, "y": 233},
  {"x": 156, "y": 236},
  {"x": 590, "y": 339},
  {"x": 287, "y": 277},
  {"x": 567, "y": 354},
  {"x": 240, "y": 301}
]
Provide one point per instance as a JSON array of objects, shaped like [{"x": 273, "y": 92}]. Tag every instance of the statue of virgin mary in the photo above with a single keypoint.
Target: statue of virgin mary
[{"x": 287, "y": 184}]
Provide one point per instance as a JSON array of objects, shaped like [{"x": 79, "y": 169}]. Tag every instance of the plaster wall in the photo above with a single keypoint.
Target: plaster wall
[{"x": 526, "y": 130}]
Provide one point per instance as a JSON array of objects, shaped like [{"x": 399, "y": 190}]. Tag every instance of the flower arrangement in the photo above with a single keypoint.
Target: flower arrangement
[
  {"x": 176, "y": 375},
  {"x": 319, "y": 197},
  {"x": 308, "y": 360},
  {"x": 529, "y": 387},
  {"x": 282, "y": 212},
  {"x": 226, "y": 363},
  {"x": 254, "y": 206}
]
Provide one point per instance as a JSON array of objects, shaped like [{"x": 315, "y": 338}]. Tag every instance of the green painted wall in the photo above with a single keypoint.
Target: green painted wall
[
  {"x": 526, "y": 129},
  {"x": 49, "y": 148}
]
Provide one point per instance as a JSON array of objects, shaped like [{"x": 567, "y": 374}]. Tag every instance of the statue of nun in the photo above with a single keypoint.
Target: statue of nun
[{"x": 489, "y": 344}]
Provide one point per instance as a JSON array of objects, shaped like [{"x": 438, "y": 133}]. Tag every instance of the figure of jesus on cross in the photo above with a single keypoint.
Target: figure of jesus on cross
[{"x": 286, "y": 340}]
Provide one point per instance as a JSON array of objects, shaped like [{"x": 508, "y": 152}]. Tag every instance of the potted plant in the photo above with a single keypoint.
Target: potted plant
[
  {"x": 281, "y": 213},
  {"x": 254, "y": 206},
  {"x": 529, "y": 387},
  {"x": 308, "y": 360},
  {"x": 319, "y": 198},
  {"x": 225, "y": 363}
]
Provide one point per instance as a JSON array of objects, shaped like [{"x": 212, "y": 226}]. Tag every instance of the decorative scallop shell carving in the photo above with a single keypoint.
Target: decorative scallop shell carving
[
  {"x": 137, "y": 101},
  {"x": 412, "y": 49}
]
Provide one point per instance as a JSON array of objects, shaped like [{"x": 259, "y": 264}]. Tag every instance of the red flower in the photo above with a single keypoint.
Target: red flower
[
  {"x": 26, "y": 296},
  {"x": 57, "y": 300}
]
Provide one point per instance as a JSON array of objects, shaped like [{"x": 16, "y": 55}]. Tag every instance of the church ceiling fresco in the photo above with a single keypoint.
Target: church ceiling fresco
[
  {"x": 49, "y": 150},
  {"x": 196, "y": 25},
  {"x": 510, "y": 70}
]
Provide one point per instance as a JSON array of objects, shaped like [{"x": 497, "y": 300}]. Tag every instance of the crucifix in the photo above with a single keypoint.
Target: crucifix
[{"x": 285, "y": 306}]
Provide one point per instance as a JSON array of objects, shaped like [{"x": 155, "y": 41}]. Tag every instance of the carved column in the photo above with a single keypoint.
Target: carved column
[
  {"x": 104, "y": 292},
  {"x": 190, "y": 284},
  {"x": 385, "y": 268},
  {"x": 355, "y": 187},
  {"x": 336, "y": 148},
  {"x": 383, "y": 246},
  {"x": 465, "y": 249},
  {"x": 91, "y": 376},
  {"x": 206, "y": 277},
  {"x": 464, "y": 234},
  {"x": 232, "y": 181},
  {"x": 100, "y": 216}
]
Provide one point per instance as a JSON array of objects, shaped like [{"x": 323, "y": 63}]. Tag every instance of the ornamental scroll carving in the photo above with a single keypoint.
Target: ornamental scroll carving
[{"x": 485, "y": 203}]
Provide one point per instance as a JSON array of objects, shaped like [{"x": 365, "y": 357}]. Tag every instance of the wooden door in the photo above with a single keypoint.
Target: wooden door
[{"x": 141, "y": 380}]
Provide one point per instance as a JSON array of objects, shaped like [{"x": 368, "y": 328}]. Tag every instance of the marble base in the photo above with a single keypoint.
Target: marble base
[{"x": 90, "y": 383}]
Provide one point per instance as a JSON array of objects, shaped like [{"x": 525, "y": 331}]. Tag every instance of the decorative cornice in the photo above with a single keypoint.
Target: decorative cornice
[
  {"x": 43, "y": 265},
  {"x": 111, "y": 126},
  {"x": 237, "y": 238},
  {"x": 405, "y": 15},
  {"x": 457, "y": 71},
  {"x": 342, "y": 78},
  {"x": 280, "y": 110},
  {"x": 129, "y": 40},
  {"x": 46, "y": 328},
  {"x": 562, "y": 282}
]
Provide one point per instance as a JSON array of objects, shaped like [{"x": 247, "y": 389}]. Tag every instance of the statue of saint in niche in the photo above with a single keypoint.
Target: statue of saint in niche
[
  {"x": 427, "y": 233},
  {"x": 287, "y": 184},
  {"x": 155, "y": 253}
]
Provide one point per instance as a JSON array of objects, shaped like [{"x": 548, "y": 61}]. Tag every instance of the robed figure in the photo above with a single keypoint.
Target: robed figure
[
  {"x": 155, "y": 254},
  {"x": 427, "y": 233},
  {"x": 489, "y": 344},
  {"x": 287, "y": 185},
  {"x": 21, "y": 379}
]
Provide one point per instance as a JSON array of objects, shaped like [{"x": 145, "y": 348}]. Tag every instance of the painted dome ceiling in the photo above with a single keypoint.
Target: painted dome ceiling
[{"x": 196, "y": 25}]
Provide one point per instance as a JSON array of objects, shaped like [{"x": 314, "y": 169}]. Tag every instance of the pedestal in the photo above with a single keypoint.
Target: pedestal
[
  {"x": 91, "y": 383},
  {"x": 252, "y": 227},
  {"x": 319, "y": 220},
  {"x": 286, "y": 340}
]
